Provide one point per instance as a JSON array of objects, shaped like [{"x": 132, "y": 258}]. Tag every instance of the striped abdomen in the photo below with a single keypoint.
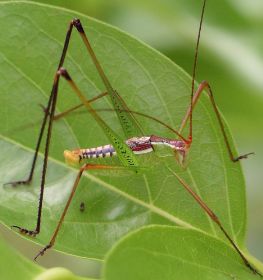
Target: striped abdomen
[{"x": 102, "y": 151}]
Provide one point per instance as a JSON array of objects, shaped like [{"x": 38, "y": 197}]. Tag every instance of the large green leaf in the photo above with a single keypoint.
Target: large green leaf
[
  {"x": 163, "y": 252},
  {"x": 171, "y": 26},
  {"x": 115, "y": 203}
]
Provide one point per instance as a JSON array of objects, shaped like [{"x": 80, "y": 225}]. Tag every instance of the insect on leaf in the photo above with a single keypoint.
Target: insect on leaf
[{"x": 119, "y": 202}]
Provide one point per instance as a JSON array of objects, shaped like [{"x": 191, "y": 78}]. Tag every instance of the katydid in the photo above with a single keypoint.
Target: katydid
[{"x": 136, "y": 142}]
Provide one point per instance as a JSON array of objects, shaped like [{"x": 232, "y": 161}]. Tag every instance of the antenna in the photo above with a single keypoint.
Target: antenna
[{"x": 194, "y": 71}]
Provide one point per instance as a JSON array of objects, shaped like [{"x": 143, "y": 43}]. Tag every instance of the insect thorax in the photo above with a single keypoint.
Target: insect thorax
[{"x": 142, "y": 145}]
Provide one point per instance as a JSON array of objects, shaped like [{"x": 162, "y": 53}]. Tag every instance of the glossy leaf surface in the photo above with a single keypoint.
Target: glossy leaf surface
[
  {"x": 163, "y": 252},
  {"x": 118, "y": 202}
]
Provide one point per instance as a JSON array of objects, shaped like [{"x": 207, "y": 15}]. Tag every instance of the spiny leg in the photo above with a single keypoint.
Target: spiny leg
[
  {"x": 40, "y": 136},
  {"x": 205, "y": 85},
  {"x": 117, "y": 101},
  {"x": 47, "y": 113},
  {"x": 44, "y": 168},
  {"x": 47, "y": 109},
  {"x": 215, "y": 219},
  {"x": 125, "y": 154},
  {"x": 32, "y": 168},
  {"x": 87, "y": 167},
  {"x": 128, "y": 122},
  {"x": 194, "y": 97}
]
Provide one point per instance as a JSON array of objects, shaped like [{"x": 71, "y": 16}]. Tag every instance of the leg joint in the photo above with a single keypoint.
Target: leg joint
[{"x": 76, "y": 23}]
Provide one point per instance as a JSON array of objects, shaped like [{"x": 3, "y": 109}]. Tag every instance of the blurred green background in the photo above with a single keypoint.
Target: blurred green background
[{"x": 231, "y": 59}]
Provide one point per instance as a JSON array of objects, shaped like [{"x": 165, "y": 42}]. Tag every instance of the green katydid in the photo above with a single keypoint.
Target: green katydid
[{"x": 136, "y": 141}]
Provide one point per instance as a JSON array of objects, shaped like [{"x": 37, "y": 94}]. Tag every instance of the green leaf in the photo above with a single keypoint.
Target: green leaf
[
  {"x": 10, "y": 259},
  {"x": 162, "y": 252},
  {"x": 171, "y": 27},
  {"x": 118, "y": 202},
  {"x": 13, "y": 264}
]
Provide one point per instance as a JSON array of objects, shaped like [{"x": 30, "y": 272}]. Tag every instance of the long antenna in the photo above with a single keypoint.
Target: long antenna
[{"x": 194, "y": 71}]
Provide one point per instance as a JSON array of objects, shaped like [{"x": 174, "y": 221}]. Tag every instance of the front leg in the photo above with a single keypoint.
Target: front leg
[
  {"x": 53, "y": 101},
  {"x": 87, "y": 166}
]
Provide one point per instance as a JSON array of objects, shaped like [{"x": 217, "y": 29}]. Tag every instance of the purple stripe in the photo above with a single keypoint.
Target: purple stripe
[{"x": 90, "y": 153}]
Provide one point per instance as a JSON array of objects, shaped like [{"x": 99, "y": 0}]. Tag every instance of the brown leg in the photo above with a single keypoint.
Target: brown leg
[
  {"x": 205, "y": 85},
  {"x": 47, "y": 113},
  {"x": 215, "y": 219},
  {"x": 63, "y": 114},
  {"x": 44, "y": 169},
  {"x": 75, "y": 185}
]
